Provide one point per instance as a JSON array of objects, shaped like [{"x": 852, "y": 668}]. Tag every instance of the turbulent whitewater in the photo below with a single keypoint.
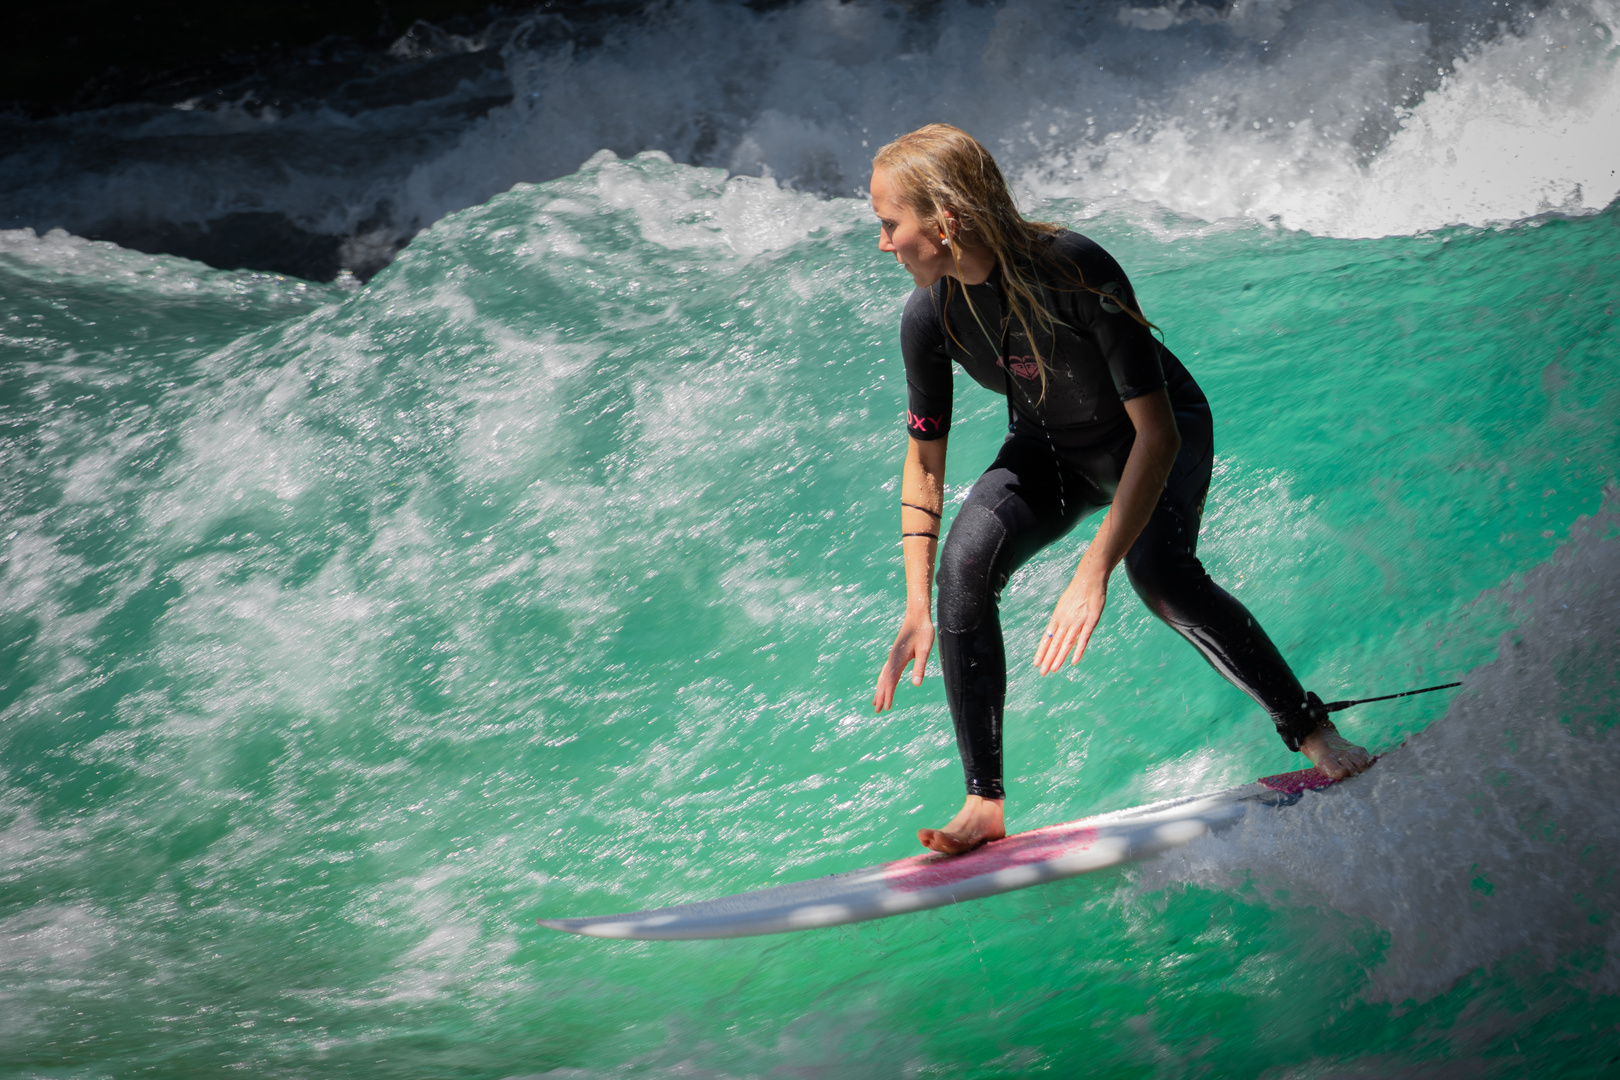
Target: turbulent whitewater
[
  {"x": 346, "y": 630},
  {"x": 1359, "y": 118}
]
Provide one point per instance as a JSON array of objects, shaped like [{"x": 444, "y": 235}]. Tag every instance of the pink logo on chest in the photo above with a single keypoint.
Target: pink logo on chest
[
  {"x": 929, "y": 871},
  {"x": 1024, "y": 367}
]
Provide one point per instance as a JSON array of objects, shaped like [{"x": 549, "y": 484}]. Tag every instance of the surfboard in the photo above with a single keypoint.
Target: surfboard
[{"x": 930, "y": 881}]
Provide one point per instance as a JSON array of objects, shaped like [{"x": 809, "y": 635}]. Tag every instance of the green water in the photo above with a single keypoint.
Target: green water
[{"x": 343, "y": 635}]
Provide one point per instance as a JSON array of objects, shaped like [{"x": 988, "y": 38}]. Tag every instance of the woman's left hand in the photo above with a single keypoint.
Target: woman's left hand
[
  {"x": 1074, "y": 618},
  {"x": 1140, "y": 485}
]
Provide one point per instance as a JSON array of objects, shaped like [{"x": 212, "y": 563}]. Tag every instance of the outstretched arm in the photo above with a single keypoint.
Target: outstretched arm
[
  {"x": 922, "y": 484},
  {"x": 1146, "y": 470}
]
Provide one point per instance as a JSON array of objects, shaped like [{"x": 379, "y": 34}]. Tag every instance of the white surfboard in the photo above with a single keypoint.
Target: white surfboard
[{"x": 931, "y": 881}]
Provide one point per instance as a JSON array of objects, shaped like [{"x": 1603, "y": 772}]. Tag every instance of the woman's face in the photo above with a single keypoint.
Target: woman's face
[{"x": 912, "y": 241}]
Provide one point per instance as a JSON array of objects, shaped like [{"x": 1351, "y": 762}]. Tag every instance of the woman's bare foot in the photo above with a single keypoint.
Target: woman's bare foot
[
  {"x": 978, "y": 822},
  {"x": 1334, "y": 756}
]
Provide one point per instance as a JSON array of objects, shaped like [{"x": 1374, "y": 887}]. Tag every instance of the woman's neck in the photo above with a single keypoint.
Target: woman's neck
[{"x": 974, "y": 266}]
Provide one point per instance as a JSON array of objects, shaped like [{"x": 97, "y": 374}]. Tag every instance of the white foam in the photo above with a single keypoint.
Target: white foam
[
  {"x": 515, "y": 405},
  {"x": 1518, "y": 127},
  {"x": 682, "y": 208},
  {"x": 57, "y": 255},
  {"x": 1490, "y": 834},
  {"x": 1350, "y": 118}
]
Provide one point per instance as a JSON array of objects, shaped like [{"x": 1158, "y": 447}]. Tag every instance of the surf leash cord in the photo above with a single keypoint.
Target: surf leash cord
[{"x": 1337, "y": 706}]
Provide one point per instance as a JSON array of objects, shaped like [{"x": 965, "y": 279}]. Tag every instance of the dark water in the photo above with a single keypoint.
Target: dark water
[{"x": 1352, "y": 119}]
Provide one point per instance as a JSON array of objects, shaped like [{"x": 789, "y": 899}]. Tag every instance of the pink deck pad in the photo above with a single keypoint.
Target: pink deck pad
[
  {"x": 1292, "y": 783},
  {"x": 1038, "y": 845}
]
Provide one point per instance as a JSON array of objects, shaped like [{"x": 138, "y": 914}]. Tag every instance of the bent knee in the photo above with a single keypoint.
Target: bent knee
[{"x": 1160, "y": 577}]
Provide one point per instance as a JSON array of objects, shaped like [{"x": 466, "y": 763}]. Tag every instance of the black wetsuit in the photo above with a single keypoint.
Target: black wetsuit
[{"x": 1062, "y": 460}]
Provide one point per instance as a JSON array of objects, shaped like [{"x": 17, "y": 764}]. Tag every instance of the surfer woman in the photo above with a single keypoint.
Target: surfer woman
[{"x": 1100, "y": 415}]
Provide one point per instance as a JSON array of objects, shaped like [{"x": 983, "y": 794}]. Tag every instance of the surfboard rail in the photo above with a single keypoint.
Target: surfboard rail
[{"x": 921, "y": 882}]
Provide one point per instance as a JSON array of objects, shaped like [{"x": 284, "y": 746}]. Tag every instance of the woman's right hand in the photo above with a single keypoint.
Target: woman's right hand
[{"x": 911, "y": 646}]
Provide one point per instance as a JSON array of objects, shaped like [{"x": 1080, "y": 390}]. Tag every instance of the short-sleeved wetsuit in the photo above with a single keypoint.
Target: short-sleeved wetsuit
[{"x": 1066, "y": 448}]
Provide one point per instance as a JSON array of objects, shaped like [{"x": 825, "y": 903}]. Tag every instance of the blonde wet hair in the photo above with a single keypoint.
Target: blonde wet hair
[{"x": 940, "y": 168}]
